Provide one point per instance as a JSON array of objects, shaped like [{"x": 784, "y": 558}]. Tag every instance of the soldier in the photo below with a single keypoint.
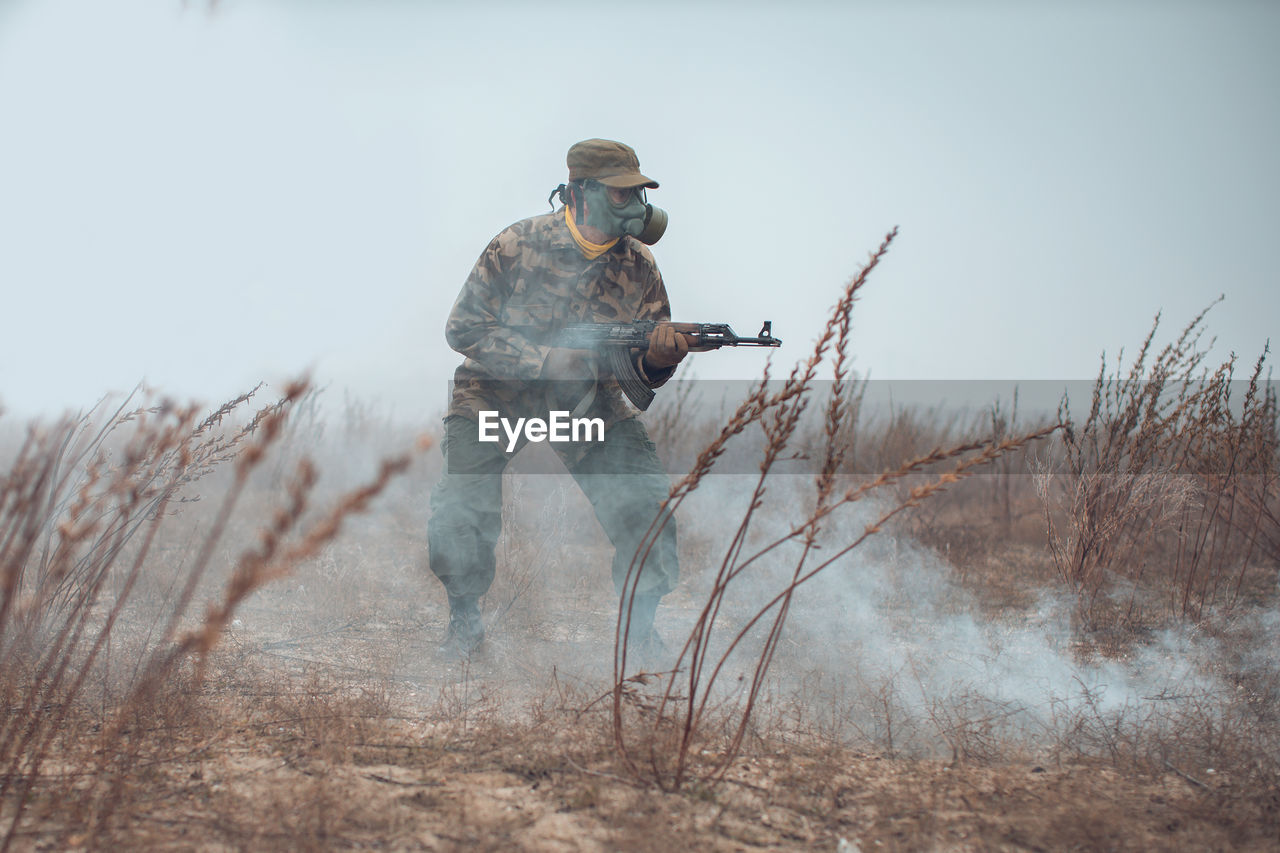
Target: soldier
[{"x": 587, "y": 261}]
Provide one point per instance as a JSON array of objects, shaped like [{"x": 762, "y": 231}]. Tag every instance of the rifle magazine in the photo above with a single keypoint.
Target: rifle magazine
[{"x": 623, "y": 369}]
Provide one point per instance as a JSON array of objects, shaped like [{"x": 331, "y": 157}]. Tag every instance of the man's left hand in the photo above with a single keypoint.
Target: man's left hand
[{"x": 667, "y": 347}]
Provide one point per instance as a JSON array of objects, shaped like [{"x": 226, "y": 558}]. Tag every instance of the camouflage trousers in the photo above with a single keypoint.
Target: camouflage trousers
[{"x": 620, "y": 476}]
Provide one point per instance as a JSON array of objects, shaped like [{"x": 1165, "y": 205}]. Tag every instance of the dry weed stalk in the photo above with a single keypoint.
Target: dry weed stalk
[
  {"x": 969, "y": 518},
  {"x": 1165, "y": 472},
  {"x": 78, "y": 519},
  {"x": 779, "y": 414}
]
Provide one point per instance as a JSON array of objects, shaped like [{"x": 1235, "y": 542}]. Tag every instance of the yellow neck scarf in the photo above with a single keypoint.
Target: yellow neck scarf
[{"x": 589, "y": 250}]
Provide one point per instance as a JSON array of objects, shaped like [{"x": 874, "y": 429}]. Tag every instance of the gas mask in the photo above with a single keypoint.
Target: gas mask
[{"x": 633, "y": 215}]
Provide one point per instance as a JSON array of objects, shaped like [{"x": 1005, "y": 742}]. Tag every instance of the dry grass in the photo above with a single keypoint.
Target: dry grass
[
  {"x": 689, "y": 696},
  {"x": 1168, "y": 488},
  {"x": 80, "y": 510},
  {"x": 876, "y": 650}
]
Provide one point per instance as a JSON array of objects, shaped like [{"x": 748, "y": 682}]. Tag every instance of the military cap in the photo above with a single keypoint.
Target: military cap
[{"x": 611, "y": 163}]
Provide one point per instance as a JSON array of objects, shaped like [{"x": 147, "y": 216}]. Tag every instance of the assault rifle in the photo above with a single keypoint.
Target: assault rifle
[{"x": 615, "y": 341}]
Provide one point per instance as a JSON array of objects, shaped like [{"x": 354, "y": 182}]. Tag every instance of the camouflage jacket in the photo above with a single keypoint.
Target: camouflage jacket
[{"x": 529, "y": 283}]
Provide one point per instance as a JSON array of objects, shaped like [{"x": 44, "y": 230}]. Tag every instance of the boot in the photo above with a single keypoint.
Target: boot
[{"x": 466, "y": 631}]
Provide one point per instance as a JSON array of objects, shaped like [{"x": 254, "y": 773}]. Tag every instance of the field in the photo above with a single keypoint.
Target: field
[{"x": 919, "y": 628}]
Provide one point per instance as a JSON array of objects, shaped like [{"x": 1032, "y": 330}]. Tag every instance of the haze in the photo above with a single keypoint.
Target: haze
[{"x": 202, "y": 201}]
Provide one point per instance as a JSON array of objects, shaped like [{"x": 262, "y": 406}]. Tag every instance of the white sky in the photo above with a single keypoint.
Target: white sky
[{"x": 205, "y": 201}]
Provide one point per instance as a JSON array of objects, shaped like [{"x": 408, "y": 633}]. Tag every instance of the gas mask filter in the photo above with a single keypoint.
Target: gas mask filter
[{"x": 653, "y": 226}]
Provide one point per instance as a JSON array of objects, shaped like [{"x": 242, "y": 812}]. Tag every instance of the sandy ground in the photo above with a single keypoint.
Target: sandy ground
[
  {"x": 340, "y": 740},
  {"x": 327, "y": 720}
]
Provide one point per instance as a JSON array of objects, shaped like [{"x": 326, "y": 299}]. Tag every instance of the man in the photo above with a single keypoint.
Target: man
[{"x": 587, "y": 261}]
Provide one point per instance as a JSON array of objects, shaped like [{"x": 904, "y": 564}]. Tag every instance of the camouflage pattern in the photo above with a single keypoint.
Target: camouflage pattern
[{"x": 529, "y": 283}]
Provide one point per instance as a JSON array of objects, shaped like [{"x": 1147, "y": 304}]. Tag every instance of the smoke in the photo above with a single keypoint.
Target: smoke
[{"x": 886, "y": 648}]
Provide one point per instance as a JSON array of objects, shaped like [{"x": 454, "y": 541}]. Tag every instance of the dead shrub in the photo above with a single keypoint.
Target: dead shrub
[
  {"x": 688, "y": 709},
  {"x": 80, "y": 509},
  {"x": 1167, "y": 486}
]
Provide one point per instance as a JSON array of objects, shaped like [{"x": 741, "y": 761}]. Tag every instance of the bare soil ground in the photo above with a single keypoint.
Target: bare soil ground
[
  {"x": 356, "y": 736},
  {"x": 325, "y": 719}
]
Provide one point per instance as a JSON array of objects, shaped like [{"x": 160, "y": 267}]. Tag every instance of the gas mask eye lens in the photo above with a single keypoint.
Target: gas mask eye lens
[{"x": 621, "y": 196}]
